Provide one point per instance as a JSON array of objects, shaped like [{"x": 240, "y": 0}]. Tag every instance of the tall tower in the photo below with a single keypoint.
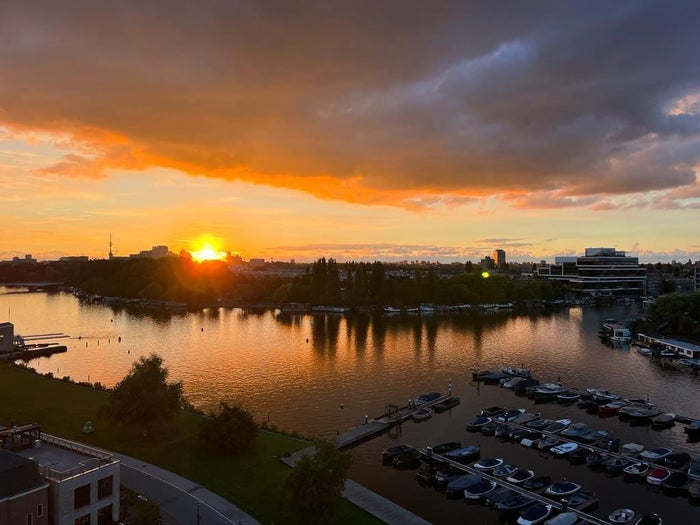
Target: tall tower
[
  {"x": 499, "y": 257},
  {"x": 111, "y": 255}
]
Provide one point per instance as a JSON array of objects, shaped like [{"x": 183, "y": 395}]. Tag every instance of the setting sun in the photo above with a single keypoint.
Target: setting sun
[{"x": 208, "y": 253}]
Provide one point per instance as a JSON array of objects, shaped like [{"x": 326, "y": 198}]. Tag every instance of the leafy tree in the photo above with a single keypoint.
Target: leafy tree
[
  {"x": 316, "y": 483},
  {"x": 232, "y": 430},
  {"x": 144, "y": 397}
]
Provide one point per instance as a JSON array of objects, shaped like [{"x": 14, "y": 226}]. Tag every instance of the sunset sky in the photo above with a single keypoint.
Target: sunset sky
[{"x": 390, "y": 130}]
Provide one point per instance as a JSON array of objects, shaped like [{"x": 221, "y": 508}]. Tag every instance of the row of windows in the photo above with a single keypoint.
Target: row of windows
[
  {"x": 104, "y": 517},
  {"x": 39, "y": 514},
  {"x": 81, "y": 495}
]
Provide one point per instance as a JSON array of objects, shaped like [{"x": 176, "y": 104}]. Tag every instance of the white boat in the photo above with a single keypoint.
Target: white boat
[
  {"x": 655, "y": 455},
  {"x": 631, "y": 449},
  {"x": 664, "y": 420},
  {"x": 621, "y": 516},
  {"x": 658, "y": 475},
  {"x": 562, "y": 489},
  {"x": 565, "y": 518},
  {"x": 516, "y": 371},
  {"x": 564, "y": 449}
]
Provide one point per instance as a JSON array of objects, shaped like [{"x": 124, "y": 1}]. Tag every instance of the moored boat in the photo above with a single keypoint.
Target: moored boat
[
  {"x": 537, "y": 483},
  {"x": 516, "y": 371},
  {"x": 557, "y": 426},
  {"x": 694, "y": 489},
  {"x": 568, "y": 396},
  {"x": 656, "y": 454},
  {"x": 677, "y": 461},
  {"x": 480, "y": 489},
  {"x": 408, "y": 459},
  {"x": 514, "y": 504},
  {"x": 565, "y": 518},
  {"x": 510, "y": 415},
  {"x": 526, "y": 417},
  {"x": 631, "y": 449},
  {"x": 442, "y": 448},
  {"x": 390, "y": 453},
  {"x": 487, "y": 464},
  {"x": 657, "y": 475},
  {"x": 503, "y": 471},
  {"x": 426, "y": 398},
  {"x": 649, "y": 519},
  {"x": 676, "y": 482},
  {"x": 492, "y": 411},
  {"x": 464, "y": 454},
  {"x": 694, "y": 470},
  {"x": 476, "y": 424},
  {"x": 520, "y": 476},
  {"x": 693, "y": 430},
  {"x": 537, "y": 513},
  {"x": 664, "y": 420},
  {"x": 455, "y": 488},
  {"x": 562, "y": 489},
  {"x": 593, "y": 436},
  {"x": 564, "y": 449},
  {"x": 422, "y": 414},
  {"x": 636, "y": 471},
  {"x": 575, "y": 430},
  {"x": 615, "y": 465},
  {"x": 610, "y": 409},
  {"x": 621, "y": 516}
]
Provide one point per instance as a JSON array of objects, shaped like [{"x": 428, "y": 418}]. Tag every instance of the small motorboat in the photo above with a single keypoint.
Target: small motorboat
[
  {"x": 564, "y": 449},
  {"x": 561, "y": 489},
  {"x": 677, "y": 461},
  {"x": 640, "y": 416},
  {"x": 503, "y": 471},
  {"x": 581, "y": 500},
  {"x": 636, "y": 471},
  {"x": 426, "y": 398},
  {"x": 548, "y": 442},
  {"x": 516, "y": 371},
  {"x": 575, "y": 430},
  {"x": 493, "y": 499},
  {"x": 390, "y": 453},
  {"x": 446, "y": 447},
  {"x": 455, "y": 488},
  {"x": 610, "y": 444},
  {"x": 532, "y": 439},
  {"x": 665, "y": 420},
  {"x": 522, "y": 386},
  {"x": 557, "y": 426},
  {"x": 610, "y": 409},
  {"x": 676, "y": 482},
  {"x": 578, "y": 457},
  {"x": 478, "y": 375},
  {"x": 446, "y": 404},
  {"x": 655, "y": 455},
  {"x": 445, "y": 475},
  {"x": 596, "y": 459},
  {"x": 546, "y": 392},
  {"x": 593, "y": 436},
  {"x": 694, "y": 470},
  {"x": 693, "y": 430},
  {"x": 631, "y": 449},
  {"x": 568, "y": 396},
  {"x": 657, "y": 475},
  {"x": 422, "y": 414},
  {"x": 539, "y": 424},
  {"x": 621, "y": 516},
  {"x": 476, "y": 424},
  {"x": 425, "y": 473},
  {"x": 514, "y": 504},
  {"x": 615, "y": 465},
  {"x": 603, "y": 394},
  {"x": 694, "y": 490},
  {"x": 520, "y": 476},
  {"x": 512, "y": 382},
  {"x": 510, "y": 415},
  {"x": 489, "y": 429},
  {"x": 537, "y": 483},
  {"x": 537, "y": 513},
  {"x": 408, "y": 459},
  {"x": 526, "y": 417},
  {"x": 493, "y": 378},
  {"x": 493, "y": 411},
  {"x": 464, "y": 454},
  {"x": 502, "y": 430},
  {"x": 480, "y": 489},
  {"x": 649, "y": 519},
  {"x": 518, "y": 434},
  {"x": 565, "y": 518},
  {"x": 486, "y": 464}
]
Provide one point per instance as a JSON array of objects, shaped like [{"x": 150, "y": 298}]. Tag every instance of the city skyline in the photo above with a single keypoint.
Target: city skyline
[{"x": 362, "y": 131}]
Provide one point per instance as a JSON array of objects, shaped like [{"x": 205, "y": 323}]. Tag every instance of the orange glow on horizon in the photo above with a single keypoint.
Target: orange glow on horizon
[{"x": 208, "y": 253}]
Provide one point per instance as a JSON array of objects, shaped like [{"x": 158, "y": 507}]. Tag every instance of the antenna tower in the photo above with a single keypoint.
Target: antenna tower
[{"x": 111, "y": 255}]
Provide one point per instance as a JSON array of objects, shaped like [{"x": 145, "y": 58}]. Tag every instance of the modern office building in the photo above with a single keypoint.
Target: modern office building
[
  {"x": 487, "y": 263},
  {"x": 83, "y": 482},
  {"x": 499, "y": 258},
  {"x": 599, "y": 272}
]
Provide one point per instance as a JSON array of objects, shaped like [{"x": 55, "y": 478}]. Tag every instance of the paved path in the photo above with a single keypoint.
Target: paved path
[{"x": 179, "y": 497}]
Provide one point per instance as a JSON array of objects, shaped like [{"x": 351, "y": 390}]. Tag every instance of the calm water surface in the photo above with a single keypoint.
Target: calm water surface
[{"x": 323, "y": 374}]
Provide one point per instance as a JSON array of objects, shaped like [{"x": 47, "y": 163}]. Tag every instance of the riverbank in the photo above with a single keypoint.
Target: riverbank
[{"x": 254, "y": 482}]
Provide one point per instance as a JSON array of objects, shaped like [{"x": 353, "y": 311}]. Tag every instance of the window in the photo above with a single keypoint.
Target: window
[
  {"x": 104, "y": 487},
  {"x": 39, "y": 510},
  {"x": 30, "y": 519},
  {"x": 83, "y": 520},
  {"x": 81, "y": 497},
  {"x": 104, "y": 515}
]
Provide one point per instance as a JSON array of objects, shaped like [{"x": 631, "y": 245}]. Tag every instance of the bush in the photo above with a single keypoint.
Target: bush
[{"x": 232, "y": 430}]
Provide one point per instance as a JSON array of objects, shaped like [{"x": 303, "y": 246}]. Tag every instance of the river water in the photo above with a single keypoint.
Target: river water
[{"x": 320, "y": 374}]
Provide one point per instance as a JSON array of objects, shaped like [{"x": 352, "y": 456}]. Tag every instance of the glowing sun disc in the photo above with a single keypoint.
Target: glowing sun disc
[{"x": 207, "y": 253}]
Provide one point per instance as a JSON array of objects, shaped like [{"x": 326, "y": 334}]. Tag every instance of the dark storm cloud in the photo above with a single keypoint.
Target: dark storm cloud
[{"x": 409, "y": 103}]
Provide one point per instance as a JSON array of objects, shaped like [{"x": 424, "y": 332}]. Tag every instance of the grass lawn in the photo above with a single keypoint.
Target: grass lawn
[{"x": 254, "y": 482}]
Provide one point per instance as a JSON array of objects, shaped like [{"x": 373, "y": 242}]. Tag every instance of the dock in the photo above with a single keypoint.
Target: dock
[
  {"x": 589, "y": 518},
  {"x": 31, "y": 352}
]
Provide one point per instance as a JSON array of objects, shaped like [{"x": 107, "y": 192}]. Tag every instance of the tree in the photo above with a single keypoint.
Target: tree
[
  {"x": 232, "y": 430},
  {"x": 316, "y": 482},
  {"x": 144, "y": 397}
]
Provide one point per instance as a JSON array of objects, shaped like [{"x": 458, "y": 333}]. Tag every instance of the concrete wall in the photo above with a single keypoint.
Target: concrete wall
[{"x": 62, "y": 496}]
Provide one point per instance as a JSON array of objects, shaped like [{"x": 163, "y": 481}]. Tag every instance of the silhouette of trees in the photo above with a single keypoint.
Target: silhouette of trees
[
  {"x": 231, "y": 430},
  {"x": 145, "y": 397},
  {"x": 316, "y": 483}
]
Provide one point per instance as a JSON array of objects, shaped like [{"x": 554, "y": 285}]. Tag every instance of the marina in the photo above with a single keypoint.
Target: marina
[{"x": 339, "y": 371}]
